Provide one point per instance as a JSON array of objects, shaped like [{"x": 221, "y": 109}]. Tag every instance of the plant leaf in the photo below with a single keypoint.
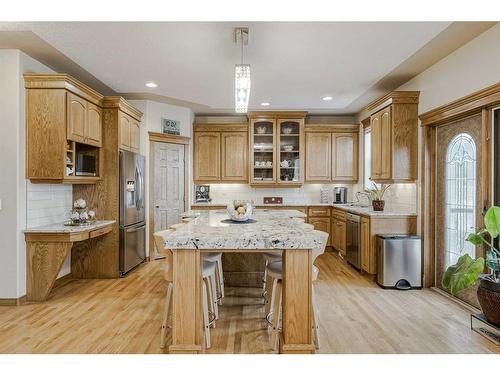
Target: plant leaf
[
  {"x": 475, "y": 238},
  {"x": 463, "y": 274},
  {"x": 492, "y": 221}
]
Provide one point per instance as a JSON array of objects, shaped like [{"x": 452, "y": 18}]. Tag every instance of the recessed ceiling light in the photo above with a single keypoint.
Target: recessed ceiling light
[
  {"x": 151, "y": 84},
  {"x": 265, "y": 104},
  {"x": 327, "y": 98}
]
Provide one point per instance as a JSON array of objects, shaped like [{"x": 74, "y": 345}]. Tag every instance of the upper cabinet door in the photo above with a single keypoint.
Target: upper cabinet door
[
  {"x": 94, "y": 125},
  {"x": 124, "y": 131},
  {"x": 385, "y": 143},
  {"x": 290, "y": 152},
  {"x": 344, "y": 156},
  {"x": 135, "y": 138},
  {"x": 234, "y": 157},
  {"x": 77, "y": 118},
  {"x": 318, "y": 156},
  {"x": 207, "y": 156},
  {"x": 375, "y": 135},
  {"x": 262, "y": 151}
]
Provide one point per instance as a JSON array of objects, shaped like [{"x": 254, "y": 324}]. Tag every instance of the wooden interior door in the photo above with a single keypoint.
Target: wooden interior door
[
  {"x": 168, "y": 185},
  {"x": 77, "y": 118},
  {"x": 344, "y": 157},
  {"x": 318, "y": 157},
  {"x": 234, "y": 156},
  {"x": 459, "y": 178},
  {"x": 207, "y": 156}
]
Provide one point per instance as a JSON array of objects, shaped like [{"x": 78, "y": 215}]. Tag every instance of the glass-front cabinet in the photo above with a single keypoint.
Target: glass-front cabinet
[{"x": 277, "y": 148}]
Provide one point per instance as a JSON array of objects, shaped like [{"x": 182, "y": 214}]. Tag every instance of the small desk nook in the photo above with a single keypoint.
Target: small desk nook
[{"x": 46, "y": 249}]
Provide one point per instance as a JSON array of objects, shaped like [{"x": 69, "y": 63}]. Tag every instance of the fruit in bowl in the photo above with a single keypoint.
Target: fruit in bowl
[{"x": 240, "y": 210}]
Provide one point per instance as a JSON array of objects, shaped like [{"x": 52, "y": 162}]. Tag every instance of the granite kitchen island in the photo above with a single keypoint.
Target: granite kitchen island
[{"x": 210, "y": 231}]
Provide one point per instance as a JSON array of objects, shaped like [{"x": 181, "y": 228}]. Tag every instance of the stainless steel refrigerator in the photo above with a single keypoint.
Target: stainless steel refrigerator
[{"x": 132, "y": 211}]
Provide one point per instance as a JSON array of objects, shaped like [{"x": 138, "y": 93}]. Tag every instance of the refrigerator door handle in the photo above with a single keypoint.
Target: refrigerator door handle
[{"x": 138, "y": 189}]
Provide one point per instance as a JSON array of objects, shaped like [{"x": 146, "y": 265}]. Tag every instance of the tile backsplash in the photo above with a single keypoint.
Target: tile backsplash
[
  {"x": 398, "y": 197},
  {"x": 49, "y": 204}
]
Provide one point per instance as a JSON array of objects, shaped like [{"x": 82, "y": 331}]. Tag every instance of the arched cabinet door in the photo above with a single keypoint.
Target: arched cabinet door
[
  {"x": 77, "y": 118},
  {"x": 94, "y": 127},
  {"x": 345, "y": 157}
]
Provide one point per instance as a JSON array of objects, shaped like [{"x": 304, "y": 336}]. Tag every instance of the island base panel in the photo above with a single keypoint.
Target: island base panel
[
  {"x": 297, "y": 322},
  {"x": 187, "y": 318}
]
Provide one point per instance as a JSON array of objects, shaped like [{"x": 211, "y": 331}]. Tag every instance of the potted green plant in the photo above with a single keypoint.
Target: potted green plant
[
  {"x": 467, "y": 271},
  {"x": 377, "y": 196}
]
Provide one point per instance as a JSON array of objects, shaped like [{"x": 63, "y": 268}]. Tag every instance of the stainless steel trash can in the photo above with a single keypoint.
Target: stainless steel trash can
[{"x": 399, "y": 264}]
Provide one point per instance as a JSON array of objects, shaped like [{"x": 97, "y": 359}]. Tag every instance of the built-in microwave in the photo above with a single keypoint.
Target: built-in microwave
[{"x": 86, "y": 162}]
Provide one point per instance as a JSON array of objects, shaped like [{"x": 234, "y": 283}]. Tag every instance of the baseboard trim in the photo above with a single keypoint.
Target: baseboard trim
[
  {"x": 12, "y": 301},
  {"x": 465, "y": 305}
]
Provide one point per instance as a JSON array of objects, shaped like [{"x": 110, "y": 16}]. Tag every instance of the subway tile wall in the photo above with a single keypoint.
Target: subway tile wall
[
  {"x": 398, "y": 197},
  {"x": 49, "y": 204}
]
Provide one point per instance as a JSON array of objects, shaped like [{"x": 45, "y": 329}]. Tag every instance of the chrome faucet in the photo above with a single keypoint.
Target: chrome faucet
[{"x": 364, "y": 194}]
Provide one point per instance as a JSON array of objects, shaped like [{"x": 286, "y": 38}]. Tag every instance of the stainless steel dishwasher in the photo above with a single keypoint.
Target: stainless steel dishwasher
[{"x": 353, "y": 240}]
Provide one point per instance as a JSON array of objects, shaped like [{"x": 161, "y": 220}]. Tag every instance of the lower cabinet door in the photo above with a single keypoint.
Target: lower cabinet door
[
  {"x": 341, "y": 234},
  {"x": 322, "y": 224},
  {"x": 365, "y": 245}
]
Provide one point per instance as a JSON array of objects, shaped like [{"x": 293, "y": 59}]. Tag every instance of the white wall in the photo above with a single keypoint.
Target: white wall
[
  {"x": 151, "y": 121},
  {"x": 21, "y": 204}
]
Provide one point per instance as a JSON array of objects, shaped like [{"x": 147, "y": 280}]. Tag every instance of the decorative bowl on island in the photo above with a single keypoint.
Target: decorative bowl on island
[{"x": 240, "y": 210}]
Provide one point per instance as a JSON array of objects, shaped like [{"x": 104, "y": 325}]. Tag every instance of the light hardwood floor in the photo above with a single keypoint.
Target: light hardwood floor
[{"x": 123, "y": 316}]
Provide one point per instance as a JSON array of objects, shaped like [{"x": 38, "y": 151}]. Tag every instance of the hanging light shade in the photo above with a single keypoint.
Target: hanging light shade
[{"x": 241, "y": 87}]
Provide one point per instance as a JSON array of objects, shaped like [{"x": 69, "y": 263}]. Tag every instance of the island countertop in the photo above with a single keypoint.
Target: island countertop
[{"x": 280, "y": 230}]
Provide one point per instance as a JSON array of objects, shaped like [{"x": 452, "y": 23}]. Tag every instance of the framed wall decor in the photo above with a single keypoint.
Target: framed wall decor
[{"x": 170, "y": 126}]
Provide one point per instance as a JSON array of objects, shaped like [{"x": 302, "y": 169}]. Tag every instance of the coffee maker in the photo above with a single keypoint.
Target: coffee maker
[
  {"x": 203, "y": 194},
  {"x": 340, "y": 195}
]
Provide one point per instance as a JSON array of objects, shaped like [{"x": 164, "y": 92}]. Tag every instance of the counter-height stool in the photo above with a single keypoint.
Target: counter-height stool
[
  {"x": 275, "y": 272},
  {"x": 208, "y": 272}
]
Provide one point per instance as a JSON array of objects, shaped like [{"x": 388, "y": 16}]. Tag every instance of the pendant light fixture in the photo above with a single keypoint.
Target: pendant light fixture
[{"x": 241, "y": 74}]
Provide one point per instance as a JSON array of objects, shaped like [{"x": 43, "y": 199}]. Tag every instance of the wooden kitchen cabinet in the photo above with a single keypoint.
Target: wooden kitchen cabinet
[
  {"x": 331, "y": 153},
  {"x": 207, "y": 156},
  {"x": 65, "y": 117},
  {"x": 339, "y": 235},
  {"x": 129, "y": 133},
  {"x": 394, "y": 137},
  {"x": 62, "y": 117},
  {"x": 220, "y": 153},
  {"x": 77, "y": 118},
  {"x": 94, "y": 125},
  {"x": 365, "y": 246},
  {"x": 234, "y": 160},
  {"x": 322, "y": 224},
  {"x": 318, "y": 157},
  {"x": 84, "y": 123},
  {"x": 276, "y": 149},
  {"x": 344, "y": 156}
]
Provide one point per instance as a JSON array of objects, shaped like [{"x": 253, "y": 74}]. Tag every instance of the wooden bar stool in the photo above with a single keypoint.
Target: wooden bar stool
[
  {"x": 275, "y": 272},
  {"x": 208, "y": 273}
]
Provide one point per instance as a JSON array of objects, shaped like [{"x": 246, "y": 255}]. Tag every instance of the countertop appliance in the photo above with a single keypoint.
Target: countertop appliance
[
  {"x": 340, "y": 195},
  {"x": 353, "y": 240},
  {"x": 399, "y": 261},
  {"x": 132, "y": 211},
  {"x": 86, "y": 160},
  {"x": 203, "y": 194}
]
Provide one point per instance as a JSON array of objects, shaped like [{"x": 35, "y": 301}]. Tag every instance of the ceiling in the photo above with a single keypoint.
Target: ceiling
[{"x": 293, "y": 64}]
